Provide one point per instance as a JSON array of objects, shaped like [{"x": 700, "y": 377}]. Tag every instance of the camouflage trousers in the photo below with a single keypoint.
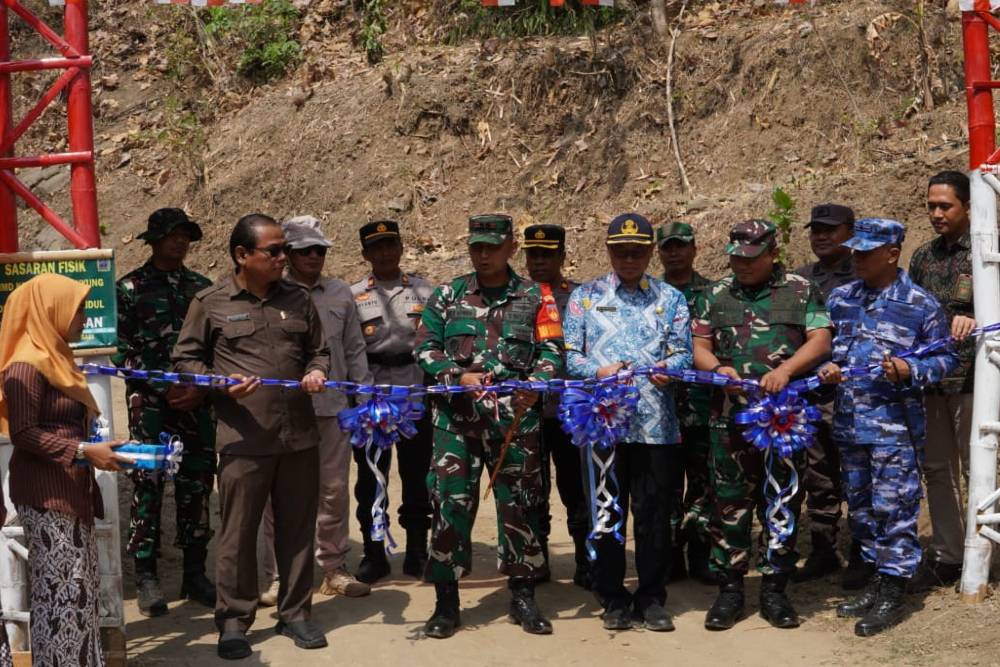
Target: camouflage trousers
[
  {"x": 738, "y": 475},
  {"x": 457, "y": 465},
  {"x": 691, "y": 507},
  {"x": 882, "y": 487},
  {"x": 192, "y": 487}
]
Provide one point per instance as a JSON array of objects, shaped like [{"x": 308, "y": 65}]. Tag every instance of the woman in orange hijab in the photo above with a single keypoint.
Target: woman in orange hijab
[{"x": 47, "y": 409}]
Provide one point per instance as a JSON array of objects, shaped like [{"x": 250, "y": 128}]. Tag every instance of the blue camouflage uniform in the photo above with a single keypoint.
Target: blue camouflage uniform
[{"x": 878, "y": 424}]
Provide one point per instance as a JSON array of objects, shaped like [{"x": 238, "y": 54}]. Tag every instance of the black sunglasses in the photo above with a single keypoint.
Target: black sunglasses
[
  {"x": 305, "y": 252},
  {"x": 274, "y": 251}
]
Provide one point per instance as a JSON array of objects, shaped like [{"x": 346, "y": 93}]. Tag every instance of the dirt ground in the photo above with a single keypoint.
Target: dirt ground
[{"x": 386, "y": 627}]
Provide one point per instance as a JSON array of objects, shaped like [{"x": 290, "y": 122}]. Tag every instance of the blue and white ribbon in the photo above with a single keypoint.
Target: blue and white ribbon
[
  {"x": 164, "y": 457},
  {"x": 598, "y": 420},
  {"x": 376, "y": 426}
]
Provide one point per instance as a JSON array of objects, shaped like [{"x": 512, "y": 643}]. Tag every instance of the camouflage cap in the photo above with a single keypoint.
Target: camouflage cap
[
  {"x": 492, "y": 228},
  {"x": 546, "y": 237},
  {"x": 674, "y": 231},
  {"x": 872, "y": 233},
  {"x": 165, "y": 220},
  {"x": 750, "y": 238}
]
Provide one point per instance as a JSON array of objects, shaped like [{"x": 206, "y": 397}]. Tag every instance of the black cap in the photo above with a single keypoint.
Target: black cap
[
  {"x": 165, "y": 220},
  {"x": 377, "y": 230},
  {"x": 547, "y": 237},
  {"x": 831, "y": 214},
  {"x": 630, "y": 228}
]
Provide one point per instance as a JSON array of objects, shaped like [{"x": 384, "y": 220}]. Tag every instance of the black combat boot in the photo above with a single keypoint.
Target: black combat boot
[
  {"x": 445, "y": 619},
  {"x": 859, "y": 605},
  {"x": 775, "y": 607},
  {"x": 523, "y": 608},
  {"x": 887, "y": 610},
  {"x": 583, "y": 576},
  {"x": 196, "y": 586},
  {"x": 858, "y": 571},
  {"x": 374, "y": 564},
  {"x": 728, "y": 607},
  {"x": 822, "y": 560},
  {"x": 148, "y": 595},
  {"x": 416, "y": 552},
  {"x": 698, "y": 553}
]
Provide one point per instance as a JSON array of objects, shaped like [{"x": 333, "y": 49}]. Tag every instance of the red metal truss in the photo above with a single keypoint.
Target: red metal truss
[
  {"x": 74, "y": 83},
  {"x": 977, "y": 20}
]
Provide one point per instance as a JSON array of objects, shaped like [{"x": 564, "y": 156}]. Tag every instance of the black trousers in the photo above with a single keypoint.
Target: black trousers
[
  {"x": 414, "y": 461},
  {"x": 568, "y": 460},
  {"x": 822, "y": 485},
  {"x": 644, "y": 476}
]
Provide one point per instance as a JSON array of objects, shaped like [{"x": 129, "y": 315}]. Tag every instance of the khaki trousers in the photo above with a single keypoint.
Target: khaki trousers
[{"x": 946, "y": 469}]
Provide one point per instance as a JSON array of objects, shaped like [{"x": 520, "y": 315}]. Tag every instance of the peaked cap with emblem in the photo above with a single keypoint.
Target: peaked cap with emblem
[
  {"x": 547, "y": 237},
  {"x": 376, "y": 230},
  {"x": 630, "y": 228}
]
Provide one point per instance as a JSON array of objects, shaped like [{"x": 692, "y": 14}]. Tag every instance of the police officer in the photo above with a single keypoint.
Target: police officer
[
  {"x": 152, "y": 303},
  {"x": 487, "y": 327},
  {"x": 545, "y": 252},
  {"x": 830, "y": 225},
  {"x": 879, "y": 423},
  {"x": 690, "y": 513},
  {"x": 762, "y": 323},
  {"x": 389, "y": 304}
]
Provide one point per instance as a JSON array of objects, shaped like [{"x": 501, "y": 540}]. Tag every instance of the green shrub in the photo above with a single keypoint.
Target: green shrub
[{"x": 263, "y": 35}]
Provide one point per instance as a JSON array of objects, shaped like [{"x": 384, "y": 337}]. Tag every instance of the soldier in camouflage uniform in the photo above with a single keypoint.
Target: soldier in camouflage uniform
[
  {"x": 545, "y": 251},
  {"x": 691, "y": 513},
  {"x": 943, "y": 267},
  {"x": 829, "y": 226},
  {"x": 879, "y": 419},
  {"x": 152, "y": 303},
  {"x": 487, "y": 327},
  {"x": 759, "y": 323}
]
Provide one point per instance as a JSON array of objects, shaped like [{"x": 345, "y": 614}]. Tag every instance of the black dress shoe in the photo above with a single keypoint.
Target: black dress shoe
[
  {"x": 654, "y": 617},
  {"x": 446, "y": 618},
  {"x": 304, "y": 633},
  {"x": 934, "y": 574},
  {"x": 524, "y": 610},
  {"x": 859, "y": 605},
  {"x": 775, "y": 607},
  {"x": 233, "y": 645},
  {"x": 728, "y": 606},
  {"x": 618, "y": 617}
]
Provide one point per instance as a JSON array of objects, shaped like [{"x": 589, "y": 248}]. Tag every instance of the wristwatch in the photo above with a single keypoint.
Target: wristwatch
[{"x": 79, "y": 451}]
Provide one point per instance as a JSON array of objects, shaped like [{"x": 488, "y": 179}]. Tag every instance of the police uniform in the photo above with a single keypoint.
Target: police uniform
[
  {"x": 389, "y": 312},
  {"x": 152, "y": 304},
  {"x": 557, "y": 446},
  {"x": 879, "y": 425},
  {"x": 821, "y": 481},
  {"x": 512, "y": 331}
]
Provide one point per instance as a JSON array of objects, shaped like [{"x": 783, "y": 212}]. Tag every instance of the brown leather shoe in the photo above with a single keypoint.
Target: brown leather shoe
[{"x": 340, "y": 582}]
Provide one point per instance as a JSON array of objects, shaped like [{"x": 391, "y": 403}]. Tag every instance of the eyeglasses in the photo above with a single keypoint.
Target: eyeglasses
[
  {"x": 313, "y": 249},
  {"x": 275, "y": 251},
  {"x": 623, "y": 253}
]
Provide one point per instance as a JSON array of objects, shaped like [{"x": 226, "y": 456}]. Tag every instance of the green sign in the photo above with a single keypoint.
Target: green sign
[{"x": 95, "y": 268}]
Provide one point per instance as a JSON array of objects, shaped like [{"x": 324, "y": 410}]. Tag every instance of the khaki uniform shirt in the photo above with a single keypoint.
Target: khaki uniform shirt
[
  {"x": 342, "y": 332},
  {"x": 229, "y": 330},
  {"x": 390, "y": 313}
]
